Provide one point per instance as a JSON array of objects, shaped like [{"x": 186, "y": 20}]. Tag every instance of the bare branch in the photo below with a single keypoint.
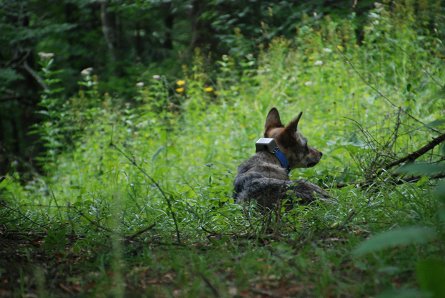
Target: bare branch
[
  {"x": 35, "y": 75},
  {"x": 416, "y": 154},
  {"x": 132, "y": 237}
]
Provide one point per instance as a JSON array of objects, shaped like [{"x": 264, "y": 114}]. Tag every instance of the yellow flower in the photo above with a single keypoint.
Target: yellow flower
[
  {"x": 180, "y": 90},
  {"x": 180, "y": 83},
  {"x": 208, "y": 89}
]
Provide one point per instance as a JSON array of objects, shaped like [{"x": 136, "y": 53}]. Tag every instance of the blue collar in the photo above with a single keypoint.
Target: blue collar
[{"x": 282, "y": 158}]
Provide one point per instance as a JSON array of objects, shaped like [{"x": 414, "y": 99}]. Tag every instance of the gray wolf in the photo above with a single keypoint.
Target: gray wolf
[{"x": 264, "y": 177}]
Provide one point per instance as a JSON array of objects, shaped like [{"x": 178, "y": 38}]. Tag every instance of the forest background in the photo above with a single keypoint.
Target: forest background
[{"x": 122, "y": 124}]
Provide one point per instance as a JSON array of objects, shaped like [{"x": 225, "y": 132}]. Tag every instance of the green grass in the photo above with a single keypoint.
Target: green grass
[{"x": 141, "y": 202}]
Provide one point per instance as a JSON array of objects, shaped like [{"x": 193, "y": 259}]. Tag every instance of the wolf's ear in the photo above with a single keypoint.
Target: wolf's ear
[
  {"x": 272, "y": 120},
  {"x": 293, "y": 125}
]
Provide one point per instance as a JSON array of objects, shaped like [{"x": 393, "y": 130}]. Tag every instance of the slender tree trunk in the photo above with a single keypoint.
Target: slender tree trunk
[
  {"x": 139, "y": 45},
  {"x": 108, "y": 29},
  {"x": 194, "y": 17}
]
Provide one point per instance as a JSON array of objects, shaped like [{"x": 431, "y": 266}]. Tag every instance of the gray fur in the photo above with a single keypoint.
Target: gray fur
[{"x": 261, "y": 177}]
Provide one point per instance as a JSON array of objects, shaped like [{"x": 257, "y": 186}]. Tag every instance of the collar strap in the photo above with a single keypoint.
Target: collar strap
[
  {"x": 269, "y": 145},
  {"x": 282, "y": 158}
]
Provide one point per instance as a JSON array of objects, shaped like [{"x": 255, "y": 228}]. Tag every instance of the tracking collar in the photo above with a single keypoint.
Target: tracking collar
[{"x": 269, "y": 144}]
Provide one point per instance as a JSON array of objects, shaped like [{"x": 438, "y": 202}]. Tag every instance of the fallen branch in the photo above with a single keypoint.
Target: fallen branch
[
  {"x": 97, "y": 225},
  {"x": 35, "y": 75},
  {"x": 416, "y": 154},
  {"x": 408, "y": 158},
  {"x": 210, "y": 285},
  {"x": 132, "y": 237}
]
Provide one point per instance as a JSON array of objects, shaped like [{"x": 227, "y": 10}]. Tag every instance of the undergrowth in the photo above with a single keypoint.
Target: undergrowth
[{"x": 137, "y": 198}]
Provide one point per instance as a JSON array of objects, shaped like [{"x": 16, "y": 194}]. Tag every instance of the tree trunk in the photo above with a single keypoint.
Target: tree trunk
[{"x": 108, "y": 29}]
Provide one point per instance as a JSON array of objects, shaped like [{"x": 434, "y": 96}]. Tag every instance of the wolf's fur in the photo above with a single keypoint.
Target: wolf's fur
[{"x": 262, "y": 178}]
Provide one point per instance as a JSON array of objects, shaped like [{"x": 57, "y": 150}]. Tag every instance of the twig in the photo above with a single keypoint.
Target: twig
[
  {"x": 156, "y": 184},
  {"x": 66, "y": 289},
  {"x": 34, "y": 74},
  {"x": 93, "y": 222},
  {"x": 400, "y": 180},
  {"x": 351, "y": 215},
  {"x": 416, "y": 154},
  {"x": 132, "y": 237},
  {"x": 4, "y": 205},
  {"x": 393, "y": 138},
  {"x": 371, "y": 140},
  {"x": 210, "y": 285},
  {"x": 408, "y": 158}
]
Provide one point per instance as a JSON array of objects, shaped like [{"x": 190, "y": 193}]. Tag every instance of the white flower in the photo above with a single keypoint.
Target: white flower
[
  {"x": 373, "y": 15},
  {"x": 44, "y": 55},
  {"x": 378, "y": 5},
  {"x": 318, "y": 62},
  {"x": 156, "y": 77},
  {"x": 327, "y": 50},
  {"x": 308, "y": 83},
  {"x": 86, "y": 72},
  {"x": 140, "y": 84}
]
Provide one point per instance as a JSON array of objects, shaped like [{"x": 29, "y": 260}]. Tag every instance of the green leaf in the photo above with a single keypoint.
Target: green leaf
[
  {"x": 55, "y": 240},
  {"x": 396, "y": 237},
  {"x": 402, "y": 293},
  {"x": 8, "y": 75},
  {"x": 431, "y": 276},
  {"x": 158, "y": 151},
  {"x": 439, "y": 191},
  {"x": 425, "y": 169},
  {"x": 436, "y": 123}
]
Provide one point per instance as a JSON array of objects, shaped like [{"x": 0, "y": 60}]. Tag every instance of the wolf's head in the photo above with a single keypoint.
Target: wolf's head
[{"x": 293, "y": 144}]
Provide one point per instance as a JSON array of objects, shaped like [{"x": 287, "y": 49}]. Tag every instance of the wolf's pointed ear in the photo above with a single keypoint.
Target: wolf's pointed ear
[
  {"x": 293, "y": 125},
  {"x": 273, "y": 120}
]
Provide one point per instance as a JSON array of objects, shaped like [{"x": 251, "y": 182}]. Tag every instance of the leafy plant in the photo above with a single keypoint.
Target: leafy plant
[
  {"x": 429, "y": 272},
  {"x": 141, "y": 184}
]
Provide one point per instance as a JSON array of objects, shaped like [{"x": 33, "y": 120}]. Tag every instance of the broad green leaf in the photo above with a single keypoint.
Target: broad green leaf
[
  {"x": 422, "y": 169},
  {"x": 396, "y": 237},
  {"x": 431, "y": 276},
  {"x": 436, "y": 123}
]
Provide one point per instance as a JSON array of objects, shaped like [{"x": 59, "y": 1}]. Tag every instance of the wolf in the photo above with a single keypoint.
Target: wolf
[{"x": 264, "y": 177}]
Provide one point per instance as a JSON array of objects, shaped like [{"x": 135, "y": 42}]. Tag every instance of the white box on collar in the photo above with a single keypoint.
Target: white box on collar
[{"x": 265, "y": 144}]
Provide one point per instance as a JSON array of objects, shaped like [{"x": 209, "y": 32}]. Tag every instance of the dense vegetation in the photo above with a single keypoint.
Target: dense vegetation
[{"x": 132, "y": 192}]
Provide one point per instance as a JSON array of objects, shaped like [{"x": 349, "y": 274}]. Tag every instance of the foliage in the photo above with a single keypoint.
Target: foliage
[{"x": 137, "y": 196}]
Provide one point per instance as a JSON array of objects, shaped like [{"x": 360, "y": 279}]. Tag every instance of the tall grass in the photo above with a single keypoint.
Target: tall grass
[{"x": 167, "y": 161}]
